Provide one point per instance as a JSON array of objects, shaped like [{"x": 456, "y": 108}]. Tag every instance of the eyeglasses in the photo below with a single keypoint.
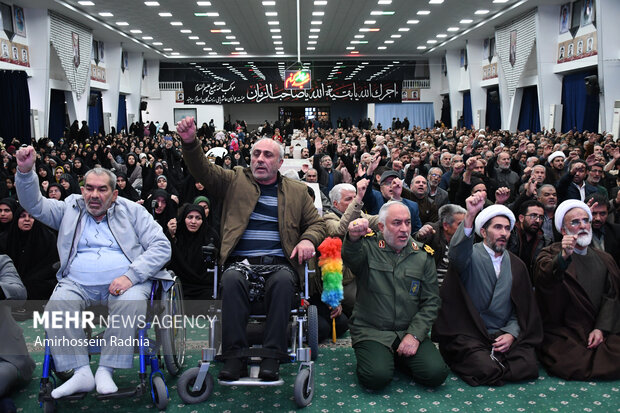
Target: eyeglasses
[
  {"x": 535, "y": 217},
  {"x": 575, "y": 222},
  {"x": 435, "y": 175}
]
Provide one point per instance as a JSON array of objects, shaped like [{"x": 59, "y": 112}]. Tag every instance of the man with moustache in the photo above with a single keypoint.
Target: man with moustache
[
  {"x": 488, "y": 327},
  {"x": 577, "y": 289},
  {"x": 527, "y": 239},
  {"x": 605, "y": 235},
  {"x": 573, "y": 185},
  {"x": 397, "y": 301},
  {"x": 555, "y": 167}
]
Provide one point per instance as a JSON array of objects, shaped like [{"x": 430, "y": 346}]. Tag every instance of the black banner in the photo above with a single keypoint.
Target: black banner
[{"x": 267, "y": 92}]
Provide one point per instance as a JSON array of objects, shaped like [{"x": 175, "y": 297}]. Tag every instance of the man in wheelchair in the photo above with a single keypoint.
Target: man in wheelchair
[
  {"x": 269, "y": 228},
  {"x": 110, "y": 249}
]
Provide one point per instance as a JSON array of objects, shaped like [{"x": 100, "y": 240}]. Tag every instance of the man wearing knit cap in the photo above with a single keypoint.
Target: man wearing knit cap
[
  {"x": 488, "y": 326},
  {"x": 577, "y": 289}
]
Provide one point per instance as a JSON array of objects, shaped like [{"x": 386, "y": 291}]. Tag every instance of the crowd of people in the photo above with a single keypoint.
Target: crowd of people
[{"x": 501, "y": 247}]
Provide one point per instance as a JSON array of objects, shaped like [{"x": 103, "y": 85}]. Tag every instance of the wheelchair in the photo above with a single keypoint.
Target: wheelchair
[
  {"x": 167, "y": 349},
  {"x": 196, "y": 384}
]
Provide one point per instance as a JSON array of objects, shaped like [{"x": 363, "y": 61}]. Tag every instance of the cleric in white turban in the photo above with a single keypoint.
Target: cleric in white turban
[
  {"x": 566, "y": 206},
  {"x": 491, "y": 212},
  {"x": 555, "y": 155}
]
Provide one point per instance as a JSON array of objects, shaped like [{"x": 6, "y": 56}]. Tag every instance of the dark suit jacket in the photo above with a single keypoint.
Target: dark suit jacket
[
  {"x": 612, "y": 240},
  {"x": 566, "y": 189}
]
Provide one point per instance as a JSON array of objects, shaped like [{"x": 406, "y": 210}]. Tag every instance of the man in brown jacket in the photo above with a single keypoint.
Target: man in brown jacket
[{"x": 269, "y": 227}]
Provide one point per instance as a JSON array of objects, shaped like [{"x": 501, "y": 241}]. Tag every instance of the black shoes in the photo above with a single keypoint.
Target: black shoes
[
  {"x": 234, "y": 369},
  {"x": 269, "y": 369}
]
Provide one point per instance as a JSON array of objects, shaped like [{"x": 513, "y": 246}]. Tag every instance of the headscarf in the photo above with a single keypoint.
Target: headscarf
[{"x": 12, "y": 204}]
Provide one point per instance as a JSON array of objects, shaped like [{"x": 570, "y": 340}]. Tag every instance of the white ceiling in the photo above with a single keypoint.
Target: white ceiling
[{"x": 329, "y": 28}]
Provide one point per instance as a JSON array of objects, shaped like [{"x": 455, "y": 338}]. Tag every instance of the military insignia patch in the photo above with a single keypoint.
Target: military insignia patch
[
  {"x": 414, "y": 246},
  {"x": 415, "y": 288},
  {"x": 381, "y": 244},
  {"x": 429, "y": 250}
]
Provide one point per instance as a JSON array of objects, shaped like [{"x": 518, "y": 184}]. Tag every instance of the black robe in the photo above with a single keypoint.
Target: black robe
[{"x": 465, "y": 344}]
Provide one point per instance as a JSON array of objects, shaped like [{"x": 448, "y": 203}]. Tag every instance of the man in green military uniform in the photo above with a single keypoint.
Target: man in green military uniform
[{"x": 397, "y": 301}]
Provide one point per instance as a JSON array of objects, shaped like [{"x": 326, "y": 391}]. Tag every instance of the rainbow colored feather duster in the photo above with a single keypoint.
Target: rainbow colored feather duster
[{"x": 331, "y": 269}]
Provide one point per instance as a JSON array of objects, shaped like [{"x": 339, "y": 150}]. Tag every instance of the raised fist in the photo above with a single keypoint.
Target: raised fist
[
  {"x": 187, "y": 129},
  {"x": 25, "y": 159}
]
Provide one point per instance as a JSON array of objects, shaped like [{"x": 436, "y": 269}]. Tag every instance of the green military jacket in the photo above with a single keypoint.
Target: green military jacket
[{"x": 397, "y": 294}]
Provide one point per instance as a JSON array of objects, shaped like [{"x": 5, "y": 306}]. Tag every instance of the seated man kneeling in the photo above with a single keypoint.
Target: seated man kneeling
[
  {"x": 397, "y": 301},
  {"x": 110, "y": 249},
  {"x": 488, "y": 327}
]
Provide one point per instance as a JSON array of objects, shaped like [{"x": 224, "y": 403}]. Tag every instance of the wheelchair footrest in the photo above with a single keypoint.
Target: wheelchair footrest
[
  {"x": 75, "y": 396},
  {"x": 251, "y": 381},
  {"x": 120, "y": 394}
]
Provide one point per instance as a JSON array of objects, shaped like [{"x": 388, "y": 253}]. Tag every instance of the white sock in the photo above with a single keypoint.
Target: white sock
[
  {"x": 82, "y": 381},
  {"x": 104, "y": 381}
]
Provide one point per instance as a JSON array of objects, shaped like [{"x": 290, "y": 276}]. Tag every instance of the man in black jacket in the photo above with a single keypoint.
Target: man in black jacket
[{"x": 605, "y": 235}]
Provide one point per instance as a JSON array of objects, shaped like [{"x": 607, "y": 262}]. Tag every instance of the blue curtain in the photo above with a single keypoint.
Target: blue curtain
[
  {"x": 121, "y": 122},
  {"x": 95, "y": 115},
  {"x": 14, "y": 106},
  {"x": 529, "y": 116},
  {"x": 494, "y": 114},
  {"x": 57, "y": 115},
  {"x": 468, "y": 119},
  {"x": 418, "y": 114},
  {"x": 579, "y": 110}
]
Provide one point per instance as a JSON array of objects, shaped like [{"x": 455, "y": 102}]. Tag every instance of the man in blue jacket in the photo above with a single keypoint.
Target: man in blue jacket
[{"x": 110, "y": 249}]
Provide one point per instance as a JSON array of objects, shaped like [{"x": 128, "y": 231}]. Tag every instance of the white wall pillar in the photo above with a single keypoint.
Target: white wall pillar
[
  {"x": 607, "y": 12},
  {"x": 474, "y": 69},
  {"x": 38, "y": 85},
  {"x": 134, "y": 77},
  {"x": 113, "y": 80},
  {"x": 454, "y": 79}
]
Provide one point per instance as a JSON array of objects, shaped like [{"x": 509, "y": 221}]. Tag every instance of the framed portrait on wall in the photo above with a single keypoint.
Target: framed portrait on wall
[
  {"x": 565, "y": 20},
  {"x": 5, "y": 54},
  {"x": 575, "y": 19},
  {"x": 94, "y": 53},
  {"x": 492, "y": 47},
  {"x": 6, "y": 17},
  {"x": 75, "y": 41},
  {"x": 587, "y": 13},
  {"x": 590, "y": 44},
  {"x": 19, "y": 21}
]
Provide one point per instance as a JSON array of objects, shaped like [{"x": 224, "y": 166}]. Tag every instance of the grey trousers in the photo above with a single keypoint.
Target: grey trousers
[{"x": 69, "y": 296}]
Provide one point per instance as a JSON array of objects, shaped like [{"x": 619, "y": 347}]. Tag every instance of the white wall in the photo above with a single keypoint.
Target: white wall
[
  {"x": 607, "y": 12},
  {"x": 162, "y": 110}
]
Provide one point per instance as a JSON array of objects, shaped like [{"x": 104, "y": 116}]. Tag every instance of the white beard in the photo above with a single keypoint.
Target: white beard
[{"x": 583, "y": 240}]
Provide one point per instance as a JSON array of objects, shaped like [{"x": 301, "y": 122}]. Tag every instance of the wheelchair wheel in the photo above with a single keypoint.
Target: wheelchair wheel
[
  {"x": 186, "y": 383},
  {"x": 160, "y": 393},
  {"x": 313, "y": 332},
  {"x": 303, "y": 389},
  {"x": 173, "y": 339}
]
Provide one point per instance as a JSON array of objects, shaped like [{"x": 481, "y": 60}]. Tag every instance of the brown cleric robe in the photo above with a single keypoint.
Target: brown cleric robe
[
  {"x": 465, "y": 343},
  {"x": 575, "y": 297}
]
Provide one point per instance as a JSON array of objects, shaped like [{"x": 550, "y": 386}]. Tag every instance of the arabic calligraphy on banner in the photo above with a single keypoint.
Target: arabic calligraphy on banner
[{"x": 247, "y": 92}]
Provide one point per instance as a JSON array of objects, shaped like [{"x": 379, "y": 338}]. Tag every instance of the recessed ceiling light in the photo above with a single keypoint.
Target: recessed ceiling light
[
  {"x": 231, "y": 37},
  {"x": 239, "y": 48},
  {"x": 441, "y": 35},
  {"x": 269, "y": 3},
  {"x": 359, "y": 41},
  {"x": 271, "y": 13},
  {"x": 431, "y": 41},
  {"x": 200, "y": 43},
  {"x": 350, "y": 47},
  {"x": 207, "y": 14},
  {"x": 280, "y": 52},
  {"x": 157, "y": 43},
  {"x": 167, "y": 49},
  {"x": 370, "y": 21},
  {"x": 273, "y": 23},
  {"x": 231, "y": 43},
  {"x": 500, "y": 1},
  {"x": 382, "y": 47},
  {"x": 151, "y": 3},
  {"x": 413, "y": 21},
  {"x": 186, "y": 31},
  {"x": 396, "y": 36},
  {"x": 106, "y": 14},
  {"x": 212, "y": 53},
  {"x": 280, "y": 42},
  {"x": 312, "y": 36},
  {"x": 435, "y": 2},
  {"x": 364, "y": 63},
  {"x": 219, "y": 23},
  {"x": 147, "y": 38},
  {"x": 194, "y": 37},
  {"x": 453, "y": 29},
  {"x": 466, "y": 21},
  {"x": 176, "y": 23},
  {"x": 279, "y": 48},
  {"x": 318, "y": 13},
  {"x": 369, "y": 29},
  {"x": 274, "y": 30},
  {"x": 423, "y": 12},
  {"x": 421, "y": 47},
  {"x": 482, "y": 11},
  {"x": 136, "y": 31},
  {"x": 316, "y": 22},
  {"x": 359, "y": 36},
  {"x": 175, "y": 53},
  {"x": 385, "y": 2},
  {"x": 315, "y": 30},
  {"x": 404, "y": 29},
  {"x": 381, "y": 13},
  {"x": 309, "y": 42},
  {"x": 203, "y": 3},
  {"x": 207, "y": 49},
  {"x": 320, "y": 3},
  {"x": 86, "y": 3},
  {"x": 388, "y": 41},
  {"x": 165, "y": 14},
  {"x": 310, "y": 48},
  {"x": 122, "y": 24}
]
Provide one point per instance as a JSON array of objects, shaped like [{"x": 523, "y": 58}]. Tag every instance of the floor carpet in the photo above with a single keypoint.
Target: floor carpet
[{"x": 337, "y": 389}]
